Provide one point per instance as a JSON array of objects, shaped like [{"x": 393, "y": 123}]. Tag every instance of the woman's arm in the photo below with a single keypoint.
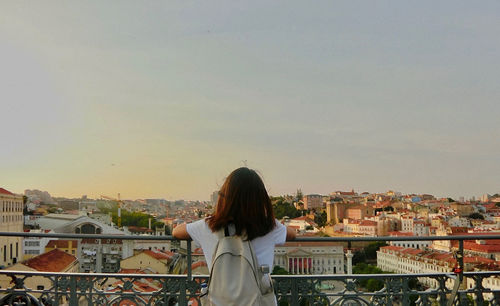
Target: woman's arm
[
  {"x": 290, "y": 233},
  {"x": 180, "y": 232}
]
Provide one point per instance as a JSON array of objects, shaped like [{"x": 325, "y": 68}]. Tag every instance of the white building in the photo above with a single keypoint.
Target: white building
[
  {"x": 458, "y": 221},
  {"x": 410, "y": 261},
  {"x": 34, "y": 246},
  {"x": 303, "y": 224},
  {"x": 310, "y": 258},
  {"x": 94, "y": 255},
  {"x": 11, "y": 208},
  {"x": 409, "y": 243}
]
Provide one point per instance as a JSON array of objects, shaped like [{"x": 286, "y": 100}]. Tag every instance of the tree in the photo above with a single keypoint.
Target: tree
[
  {"x": 277, "y": 270},
  {"x": 320, "y": 218},
  {"x": 476, "y": 215},
  {"x": 372, "y": 248},
  {"x": 282, "y": 208},
  {"x": 358, "y": 257}
]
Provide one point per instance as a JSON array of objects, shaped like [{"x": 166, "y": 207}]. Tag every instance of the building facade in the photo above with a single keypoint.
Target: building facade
[
  {"x": 310, "y": 258},
  {"x": 313, "y": 201},
  {"x": 11, "y": 220}
]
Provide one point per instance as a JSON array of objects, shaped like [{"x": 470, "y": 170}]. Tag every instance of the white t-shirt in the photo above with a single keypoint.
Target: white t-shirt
[{"x": 263, "y": 246}]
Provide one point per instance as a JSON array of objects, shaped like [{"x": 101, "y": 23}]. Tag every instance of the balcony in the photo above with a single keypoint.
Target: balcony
[{"x": 45, "y": 288}]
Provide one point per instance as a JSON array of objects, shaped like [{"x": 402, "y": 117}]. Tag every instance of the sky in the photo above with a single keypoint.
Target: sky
[{"x": 163, "y": 99}]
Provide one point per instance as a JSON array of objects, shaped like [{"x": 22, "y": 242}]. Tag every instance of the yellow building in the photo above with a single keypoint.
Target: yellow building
[
  {"x": 67, "y": 246},
  {"x": 11, "y": 220},
  {"x": 155, "y": 260}
]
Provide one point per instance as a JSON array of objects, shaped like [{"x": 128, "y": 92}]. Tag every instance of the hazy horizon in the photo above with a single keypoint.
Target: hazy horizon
[{"x": 163, "y": 100}]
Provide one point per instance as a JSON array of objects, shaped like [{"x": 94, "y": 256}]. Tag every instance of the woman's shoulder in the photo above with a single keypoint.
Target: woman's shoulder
[{"x": 198, "y": 225}]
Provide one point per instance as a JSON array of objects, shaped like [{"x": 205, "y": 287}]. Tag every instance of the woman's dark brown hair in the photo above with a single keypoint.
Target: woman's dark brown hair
[{"x": 243, "y": 201}]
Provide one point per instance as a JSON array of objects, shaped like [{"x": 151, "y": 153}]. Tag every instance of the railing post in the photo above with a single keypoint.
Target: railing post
[
  {"x": 189, "y": 271},
  {"x": 182, "y": 293},
  {"x": 294, "y": 293},
  {"x": 73, "y": 297}
]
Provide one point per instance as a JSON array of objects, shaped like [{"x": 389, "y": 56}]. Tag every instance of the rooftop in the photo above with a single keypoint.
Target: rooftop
[
  {"x": 5, "y": 191},
  {"x": 53, "y": 261}
]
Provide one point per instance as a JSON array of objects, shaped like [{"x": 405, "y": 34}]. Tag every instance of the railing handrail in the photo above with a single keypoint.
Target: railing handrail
[
  {"x": 298, "y": 239},
  {"x": 318, "y": 276}
]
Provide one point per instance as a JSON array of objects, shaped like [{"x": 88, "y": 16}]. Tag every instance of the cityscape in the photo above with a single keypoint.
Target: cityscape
[
  {"x": 338, "y": 214},
  {"x": 372, "y": 125}
]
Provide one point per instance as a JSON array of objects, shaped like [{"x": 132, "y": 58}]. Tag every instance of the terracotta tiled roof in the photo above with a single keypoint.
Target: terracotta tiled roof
[
  {"x": 477, "y": 259},
  {"x": 368, "y": 223},
  {"x": 5, "y": 191},
  {"x": 198, "y": 264},
  {"x": 308, "y": 243},
  {"x": 485, "y": 248},
  {"x": 131, "y": 271},
  {"x": 412, "y": 251},
  {"x": 158, "y": 254},
  {"x": 53, "y": 261}
]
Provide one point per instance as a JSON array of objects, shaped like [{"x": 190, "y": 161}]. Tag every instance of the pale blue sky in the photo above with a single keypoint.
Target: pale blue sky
[{"x": 323, "y": 96}]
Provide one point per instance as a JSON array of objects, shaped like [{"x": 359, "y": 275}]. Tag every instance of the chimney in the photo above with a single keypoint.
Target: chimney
[{"x": 149, "y": 223}]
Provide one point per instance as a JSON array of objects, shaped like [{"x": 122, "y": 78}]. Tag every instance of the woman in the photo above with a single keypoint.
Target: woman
[{"x": 245, "y": 209}]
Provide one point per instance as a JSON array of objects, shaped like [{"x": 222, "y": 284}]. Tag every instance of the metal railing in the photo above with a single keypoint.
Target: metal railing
[{"x": 50, "y": 288}]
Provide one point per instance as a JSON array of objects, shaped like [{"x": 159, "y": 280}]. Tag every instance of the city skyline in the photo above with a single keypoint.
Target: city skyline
[{"x": 163, "y": 100}]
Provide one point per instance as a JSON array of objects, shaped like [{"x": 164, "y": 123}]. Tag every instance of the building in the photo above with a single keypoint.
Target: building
[
  {"x": 310, "y": 258},
  {"x": 67, "y": 246},
  {"x": 34, "y": 246},
  {"x": 368, "y": 228},
  {"x": 154, "y": 260},
  {"x": 11, "y": 208},
  {"x": 94, "y": 255},
  {"x": 409, "y": 243},
  {"x": 335, "y": 211},
  {"x": 313, "y": 201},
  {"x": 53, "y": 261},
  {"x": 302, "y": 224},
  {"x": 408, "y": 260}
]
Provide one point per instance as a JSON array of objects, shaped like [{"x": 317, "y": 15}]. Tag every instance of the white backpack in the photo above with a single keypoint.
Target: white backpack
[{"x": 236, "y": 278}]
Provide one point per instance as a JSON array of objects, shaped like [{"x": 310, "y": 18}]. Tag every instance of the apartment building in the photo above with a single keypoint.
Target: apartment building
[
  {"x": 313, "y": 201},
  {"x": 34, "y": 246},
  {"x": 11, "y": 210}
]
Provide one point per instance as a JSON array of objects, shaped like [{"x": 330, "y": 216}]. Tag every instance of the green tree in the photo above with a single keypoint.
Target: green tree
[
  {"x": 277, "y": 270},
  {"x": 320, "y": 218},
  {"x": 476, "y": 215},
  {"x": 372, "y": 248},
  {"x": 282, "y": 208},
  {"x": 369, "y": 284},
  {"x": 358, "y": 257}
]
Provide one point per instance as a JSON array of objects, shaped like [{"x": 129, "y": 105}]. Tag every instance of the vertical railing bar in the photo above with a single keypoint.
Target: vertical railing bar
[
  {"x": 189, "y": 272},
  {"x": 461, "y": 258},
  {"x": 294, "y": 293},
  {"x": 461, "y": 265},
  {"x": 73, "y": 299},
  {"x": 183, "y": 292}
]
